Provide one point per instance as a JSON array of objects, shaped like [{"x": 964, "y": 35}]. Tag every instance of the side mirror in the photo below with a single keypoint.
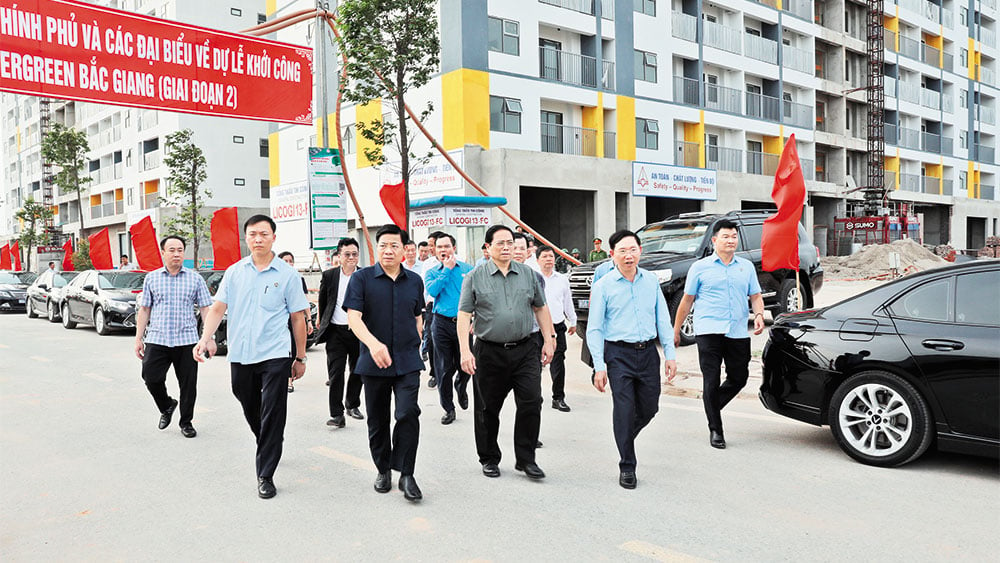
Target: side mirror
[
  {"x": 43, "y": 286},
  {"x": 88, "y": 287}
]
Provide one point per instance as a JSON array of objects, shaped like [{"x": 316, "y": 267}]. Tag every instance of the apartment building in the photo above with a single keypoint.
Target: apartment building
[
  {"x": 549, "y": 102},
  {"x": 127, "y": 146}
]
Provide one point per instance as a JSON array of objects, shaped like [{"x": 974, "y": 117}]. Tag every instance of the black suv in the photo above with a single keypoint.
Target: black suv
[{"x": 670, "y": 247}]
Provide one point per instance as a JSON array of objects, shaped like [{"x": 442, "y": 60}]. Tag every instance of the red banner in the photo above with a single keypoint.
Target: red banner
[
  {"x": 100, "y": 250},
  {"x": 5, "y": 257},
  {"x": 225, "y": 238},
  {"x": 394, "y": 200},
  {"x": 67, "y": 264},
  {"x": 15, "y": 256},
  {"x": 147, "y": 251},
  {"x": 68, "y": 49},
  {"x": 780, "y": 240}
]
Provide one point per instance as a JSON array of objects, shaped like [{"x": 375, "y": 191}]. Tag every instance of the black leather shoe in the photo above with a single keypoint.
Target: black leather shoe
[
  {"x": 411, "y": 491},
  {"x": 336, "y": 422},
  {"x": 448, "y": 417},
  {"x": 355, "y": 413},
  {"x": 383, "y": 483},
  {"x": 560, "y": 405},
  {"x": 188, "y": 431},
  {"x": 491, "y": 470},
  {"x": 432, "y": 382},
  {"x": 627, "y": 479},
  {"x": 167, "y": 415},
  {"x": 463, "y": 399},
  {"x": 538, "y": 444},
  {"x": 531, "y": 470},
  {"x": 265, "y": 487},
  {"x": 717, "y": 440}
]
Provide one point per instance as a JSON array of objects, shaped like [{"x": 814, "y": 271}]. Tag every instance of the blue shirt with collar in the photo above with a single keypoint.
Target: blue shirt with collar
[
  {"x": 172, "y": 299},
  {"x": 628, "y": 311},
  {"x": 390, "y": 309},
  {"x": 445, "y": 287},
  {"x": 721, "y": 295},
  {"x": 258, "y": 304}
]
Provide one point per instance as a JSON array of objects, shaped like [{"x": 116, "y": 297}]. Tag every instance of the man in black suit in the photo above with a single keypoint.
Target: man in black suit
[{"x": 341, "y": 344}]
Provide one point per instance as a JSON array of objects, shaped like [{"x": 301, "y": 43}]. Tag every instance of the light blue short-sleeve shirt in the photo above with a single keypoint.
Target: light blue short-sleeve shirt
[
  {"x": 722, "y": 292},
  {"x": 258, "y": 305}
]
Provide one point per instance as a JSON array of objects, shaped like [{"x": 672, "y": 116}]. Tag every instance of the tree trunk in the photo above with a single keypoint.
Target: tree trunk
[
  {"x": 404, "y": 149},
  {"x": 79, "y": 200}
]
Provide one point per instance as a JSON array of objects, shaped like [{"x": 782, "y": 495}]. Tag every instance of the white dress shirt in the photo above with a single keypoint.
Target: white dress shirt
[{"x": 559, "y": 298}]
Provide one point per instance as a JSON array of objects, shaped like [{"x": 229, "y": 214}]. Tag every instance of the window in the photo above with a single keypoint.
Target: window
[
  {"x": 261, "y": 18},
  {"x": 850, "y": 117},
  {"x": 752, "y": 31},
  {"x": 962, "y": 188},
  {"x": 928, "y": 302},
  {"x": 647, "y": 134},
  {"x": 961, "y": 140},
  {"x": 239, "y": 182},
  {"x": 264, "y": 148},
  {"x": 238, "y": 139},
  {"x": 265, "y": 189},
  {"x": 963, "y": 16},
  {"x": 963, "y": 98},
  {"x": 647, "y": 7},
  {"x": 751, "y": 236},
  {"x": 964, "y": 58},
  {"x": 505, "y": 115},
  {"x": 711, "y": 88},
  {"x": 504, "y": 36},
  {"x": 645, "y": 66},
  {"x": 709, "y": 18},
  {"x": 235, "y": 12},
  {"x": 347, "y": 138}
]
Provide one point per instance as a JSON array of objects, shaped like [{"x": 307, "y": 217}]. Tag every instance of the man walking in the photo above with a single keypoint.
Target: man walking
[
  {"x": 505, "y": 297},
  {"x": 385, "y": 304},
  {"x": 427, "y": 343},
  {"x": 410, "y": 261},
  {"x": 260, "y": 293},
  {"x": 597, "y": 254},
  {"x": 169, "y": 297},
  {"x": 444, "y": 285},
  {"x": 720, "y": 285},
  {"x": 341, "y": 344},
  {"x": 627, "y": 315},
  {"x": 560, "y": 301}
]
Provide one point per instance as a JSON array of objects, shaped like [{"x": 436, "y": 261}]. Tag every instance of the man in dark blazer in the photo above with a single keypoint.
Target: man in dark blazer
[{"x": 341, "y": 344}]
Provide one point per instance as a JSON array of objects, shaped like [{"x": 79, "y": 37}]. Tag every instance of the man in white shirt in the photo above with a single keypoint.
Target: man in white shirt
[
  {"x": 342, "y": 347},
  {"x": 410, "y": 261},
  {"x": 531, "y": 259},
  {"x": 427, "y": 345},
  {"x": 560, "y": 301}
]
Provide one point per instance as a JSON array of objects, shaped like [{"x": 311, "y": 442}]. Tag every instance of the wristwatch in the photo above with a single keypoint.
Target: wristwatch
[{"x": 301, "y": 360}]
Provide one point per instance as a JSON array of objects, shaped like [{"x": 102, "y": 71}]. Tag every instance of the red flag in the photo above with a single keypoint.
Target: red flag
[
  {"x": 67, "y": 264},
  {"x": 225, "y": 238},
  {"x": 394, "y": 200},
  {"x": 147, "y": 253},
  {"x": 15, "y": 255},
  {"x": 100, "y": 250},
  {"x": 5, "y": 257},
  {"x": 780, "y": 241}
]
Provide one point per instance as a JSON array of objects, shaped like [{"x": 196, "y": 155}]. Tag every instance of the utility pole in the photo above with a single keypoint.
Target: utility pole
[{"x": 321, "y": 36}]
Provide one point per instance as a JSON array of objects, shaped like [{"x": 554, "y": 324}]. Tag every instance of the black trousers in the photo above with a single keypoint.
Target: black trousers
[
  {"x": 498, "y": 371},
  {"x": 557, "y": 367},
  {"x": 155, "y": 363},
  {"x": 713, "y": 350},
  {"x": 342, "y": 348},
  {"x": 395, "y": 449},
  {"x": 427, "y": 340},
  {"x": 634, "y": 376},
  {"x": 262, "y": 390},
  {"x": 448, "y": 361}
]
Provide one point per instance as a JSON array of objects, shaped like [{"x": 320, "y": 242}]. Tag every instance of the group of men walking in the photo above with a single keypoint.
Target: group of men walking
[{"x": 373, "y": 320}]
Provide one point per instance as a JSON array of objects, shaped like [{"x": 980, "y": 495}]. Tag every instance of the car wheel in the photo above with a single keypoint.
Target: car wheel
[
  {"x": 30, "y": 310},
  {"x": 100, "y": 322},
  {"x": 67, "y": 322},
  {"x": 687, "y": 327},
  {"x": 791, "y": 297},
  {"x": 880, "y": 419},
  {"x": 53, "y": 312}
]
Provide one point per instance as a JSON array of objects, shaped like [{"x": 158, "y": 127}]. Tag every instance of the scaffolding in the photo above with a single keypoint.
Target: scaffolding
[
  {"x": 48, "y": 177},
  {"x": 875, "y": 191}
]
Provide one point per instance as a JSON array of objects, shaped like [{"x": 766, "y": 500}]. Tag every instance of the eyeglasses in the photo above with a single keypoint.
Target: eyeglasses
[
  {"x": 502, "y": 243},
  {"x": 349, "y": 254},
  {"x": 633, "y": 250}
]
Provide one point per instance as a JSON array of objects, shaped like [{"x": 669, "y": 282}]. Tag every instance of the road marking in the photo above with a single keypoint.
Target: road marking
[
  {"x": 97, "y": 377},
  {"x": 656, "y": 552},
  {"x": 39, "y": 358},
  {"x": 346, "y": 459}
]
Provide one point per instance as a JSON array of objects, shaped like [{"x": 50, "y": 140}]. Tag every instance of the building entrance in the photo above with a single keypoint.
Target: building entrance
[{"x": 565, "y": 217}]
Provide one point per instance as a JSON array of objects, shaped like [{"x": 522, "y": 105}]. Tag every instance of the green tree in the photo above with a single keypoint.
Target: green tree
[
  {"x": 81, "y": 258},
  {"x": 33, "y": 213},
  {"x": 188, "y": 170},
  {"x": 67, "y": 148},
  {"x": 392, "y": 47}
]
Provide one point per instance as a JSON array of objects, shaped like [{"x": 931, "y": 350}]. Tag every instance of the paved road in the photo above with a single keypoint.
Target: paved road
[{"x": 85, "y": 475}]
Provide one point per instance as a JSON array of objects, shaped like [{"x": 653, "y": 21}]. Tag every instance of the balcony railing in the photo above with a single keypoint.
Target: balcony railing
[
  {"x": 571, "y": 68},
  {"x": 609, "y": 145},
  {"x": 96, "y": 212},
  {"x": 686, "y": 154},
  {"x": 147, "y": 119},
  {"x": 608, "y": 75},
  {"x": 987, "y": 191},
  {"x": 947, "y": 103},
  {"x": 569, "y": 140},
  {"x": 909, "y": 92},
  {"x": 987, "y": 36},
  {"x": 949, "y": 61},
  {"x": 889, "y": 86},
  {"x": 582, "y": 6},
  {"x": 909, "y": 182},
  {"x": 149, "y": 201},
  {"x": 909, "y": 47},
  {"x": 930, "y": 55},
  {"x": 890, "y": 133},
  {"x": 798, "y": 59},
  {"x": 771, "y": 3},
  {"x": 947, "y": 146},
  {"x": 801, "y": 8},
  {"x": 799, "y": 115},
  {"x": 889, "y": 39},
  {"x": 763, "y": 107},
  {"x": 984, "y": 154},
  {"x": 151, "y": 160},
  {"x": 930, "y": 142},
  {"x": 932, "y": 185},
  {"x": 722, "y": 37},
  {"x": 947, "y": 186},
  {"x": 808, "y": 168},
  {"x": 930, "y": 98},
  {"x": 915, "y": 6},
  {"x": 949, "y": 19},
  {"x": 684, "y": 26},
  {"x": 987, "y": 76},
  {"x": 763, "y": 163},
  {"x": 987, "y": 115},
  {"x": 932, "y": 12},
  {"x": 909, "y": 138},
  {"x": 761, "y": 48},
  {"x": 889, "y": 180},
  {"x": 723, "y": 158},
  {"x": 722, "y": 98},
  {"x": 686, "y": 90}
]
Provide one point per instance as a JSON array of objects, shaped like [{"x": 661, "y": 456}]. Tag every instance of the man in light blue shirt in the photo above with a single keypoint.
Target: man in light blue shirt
[
  {"x": 721, "y": 284},
  {"x": 628, "y": 314},
  {"x": 260, "y": 292}
]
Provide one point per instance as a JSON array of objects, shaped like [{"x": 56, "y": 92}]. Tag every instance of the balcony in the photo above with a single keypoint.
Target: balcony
[
  {"x": 909, "y": 92},
  {"x": 147, "y": 119},
  {"x": 723, "y": 158},
  {"x": 930, "y": 55},
  {"x": 909, "y": 182},
  {"x": 890, "y": 134},
  {"x": 582, "y": 6},
  {"x": 889, "y": 39},
  {"x": 949, "y": 61},
  {"x": 909, "y": 47},
  {"x": 932, "y": 12},
  {"x": 889, "y": 86},
  {"x": 888, "y": 180},
  {"x": 763, "y": 107},
  {"x": 684, "y": 26},
  {"x": 987, "y": 191},
  {"x": 721, "y": 98},
  {"x": 799, "y": 115},
  {"x": 762, "y": 163},
  {"x": 721, "y": 37},
  {"x": 761, "y": 49},
  {"x": 801, "y": 8},
  {"x": 984, "y": 154},
  {"x": 151, "y": 200},
  {"x": 946, "y": 188},
  {"x": 686, "y": 154},
  {"x": 987, "y": 36},
  {"x": 987, "y": 76},
  {"x": 987, "y": 115},
  {"x": 608, "y": 75},
  {"x": 947, "y": 146},
  {"x": 609, "y": 145},
  {"x": 564, "y": 139},
  {"x": 570, "y": 68},
  {"x": 909, "y": 138},
  {"x": 799, "y": 59},
  {"x": 932, "y": 185},
  {"x": 151, "y": 160},
  {"x": 930, "y": 98},
  {"x": 930, "y": 142},
  {"x": 686, "y": 90},
  {"x": 949, "y": 19}
]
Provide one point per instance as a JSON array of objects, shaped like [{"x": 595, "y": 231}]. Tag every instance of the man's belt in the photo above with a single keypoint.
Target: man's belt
[
  {"x": 633, "y": 345},
  {"x": 507, "y": 345},
  {"x": 452, "y": 319}
]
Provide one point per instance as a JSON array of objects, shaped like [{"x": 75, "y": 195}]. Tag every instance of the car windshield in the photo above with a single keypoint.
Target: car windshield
[
  {"x": 124, "y": 280},
  {"x": 672, "y": 237},
  {"x": 27, "y": 277},
  {"x": 63, "y": 278},
  {"x": 7, "y": 277},
  {"x": 212, "y": 279}
]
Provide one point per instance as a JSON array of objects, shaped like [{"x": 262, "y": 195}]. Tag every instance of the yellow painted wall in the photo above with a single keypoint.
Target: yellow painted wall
[
  {"x": 273, "y": 162},
  {"x": 774, "y": 145},
  {"x": 593, "y": 118},
  {"x": 892, "y": 24},
  {"x": 695, "y": 133},
  {"x": 271, "y": 6},
  {"x": 972, "y": 59},
  {"x": 626, "y": 127},
  {"x": 465, "y": 108},
  {"x": 892, "y": 165},
  {"x": 937, "y": 42},
  {"x": 366, "y": 113}
]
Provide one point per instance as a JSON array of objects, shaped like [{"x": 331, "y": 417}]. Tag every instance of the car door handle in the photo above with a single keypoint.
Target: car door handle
[{"x": 943, "y": 345}]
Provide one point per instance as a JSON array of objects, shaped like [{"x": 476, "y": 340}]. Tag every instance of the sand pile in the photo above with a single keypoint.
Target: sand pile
[{"x": 873, "y": 261}]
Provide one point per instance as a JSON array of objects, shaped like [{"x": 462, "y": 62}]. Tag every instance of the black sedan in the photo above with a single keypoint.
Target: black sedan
[
  {"x": 13, "y": 290},
  {"x": 45, "y": 294},
  {"x": 894, "y": 370},
  {"x": 103, "y": 298}
]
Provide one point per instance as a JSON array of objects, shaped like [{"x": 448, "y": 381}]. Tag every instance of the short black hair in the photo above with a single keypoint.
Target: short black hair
[
  {"x": 163, "y": 241},
  {"x": 723, "y": 224},
  {"x": 494, "y": 230},
  {"x": 411, "y": 243},
  {"x": 423, "y": 243},
  {"x": 622, "y": 234},
  {"x": 52, "y": 263},
  {"x": 125, "y": 256},
  {"x": 483, "y": 247},
  {"x": 347, "y": 241},
  {"x": 260, "y": 218},
  {"x": 544, "y": 248},
  {"x": 442, "y": 235},
  {"x": 521, "y": 236},
  {"x": 530, "y": 239},
  {"x": 392, "y": 230},
  {"x": 286, "y": 253}
]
